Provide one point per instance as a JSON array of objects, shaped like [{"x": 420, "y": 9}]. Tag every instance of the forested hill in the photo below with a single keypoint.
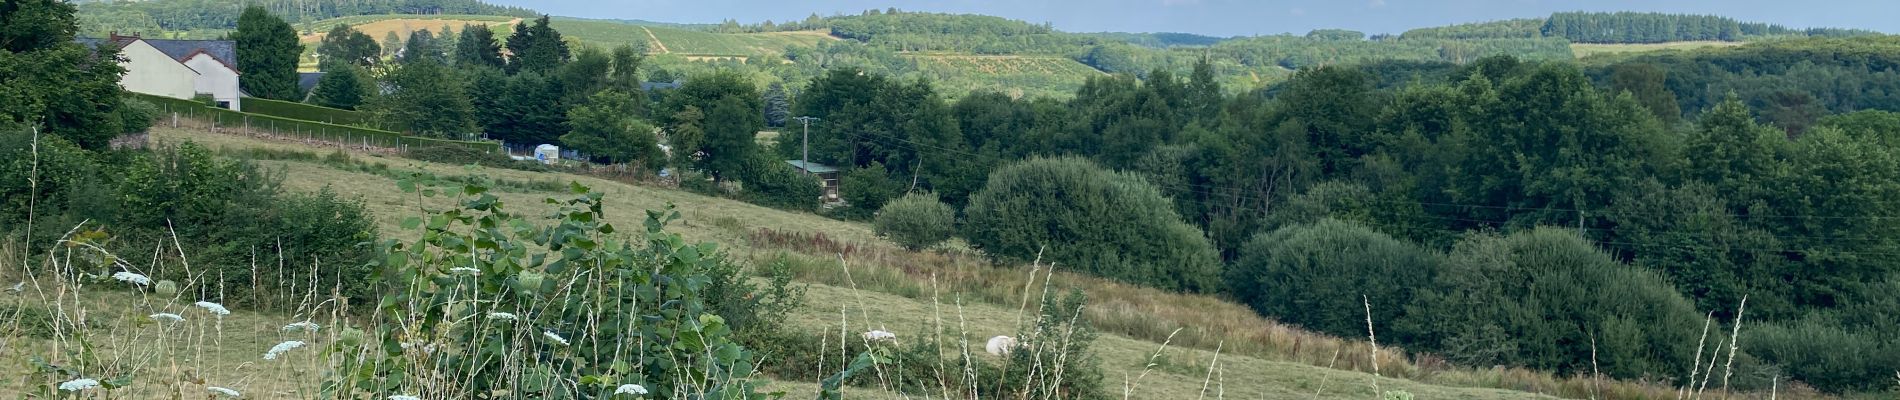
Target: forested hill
[
  {"x": 182, "y": 17},
  {"x": 1626, "y": 27}
]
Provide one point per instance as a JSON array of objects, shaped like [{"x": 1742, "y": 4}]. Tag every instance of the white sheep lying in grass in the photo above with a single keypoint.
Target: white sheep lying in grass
[{"x": 1001, "y": 345}]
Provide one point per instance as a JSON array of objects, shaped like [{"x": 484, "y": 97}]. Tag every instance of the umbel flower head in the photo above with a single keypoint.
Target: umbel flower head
[
  {"x": 305, "y": 326},
  {"x": 213, "y": 308},
  {"x": 555, "y": 337},
  {"x": 79, "y": 384},
  {"x": 403, "y": 397},
  {"x": 502, "y": 316},
  {"x": 465, "y": 271},
  {"x": 133, "y": 278},
  {"x": 879, "y": 336},
  {"x": 281, "y": 348},
  {"x": 226, "y": 392},
  {"x": 632, "y": 389},
  {"x": 167, "y": 317}
]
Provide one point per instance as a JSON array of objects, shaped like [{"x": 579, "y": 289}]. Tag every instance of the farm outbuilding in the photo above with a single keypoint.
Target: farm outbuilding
[{"x": 828, "y": 175}]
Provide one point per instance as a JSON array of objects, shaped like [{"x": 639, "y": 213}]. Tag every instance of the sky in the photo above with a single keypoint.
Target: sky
[{"x": 1238, "y": 17}]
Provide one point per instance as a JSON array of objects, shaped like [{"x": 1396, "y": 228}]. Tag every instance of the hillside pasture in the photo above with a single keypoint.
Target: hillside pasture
[
  {"x": 875, "y": 285},
  {"x": 1585, "y": 50}
]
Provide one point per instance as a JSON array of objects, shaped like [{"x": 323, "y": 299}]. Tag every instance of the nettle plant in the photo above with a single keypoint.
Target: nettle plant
[{"x": 489, "y": 305}]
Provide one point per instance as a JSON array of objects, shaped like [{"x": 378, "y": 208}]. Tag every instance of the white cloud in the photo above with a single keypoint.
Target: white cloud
[
  {"x": 1171, "y": 3},
  {"x": 1377, "y": 4},
  {"x": 1297, "y": 12}
]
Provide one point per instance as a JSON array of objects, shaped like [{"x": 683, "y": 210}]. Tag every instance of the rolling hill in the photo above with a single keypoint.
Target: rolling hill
[{"x": 1169, "y": 346}]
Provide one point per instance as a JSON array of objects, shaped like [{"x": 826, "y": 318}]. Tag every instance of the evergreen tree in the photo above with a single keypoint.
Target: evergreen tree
[
  {"x": 536, "y": 48},
  {"x": 529, "y": 111},
  {"x": 778, "y": 105},
  {"x": 422, "y": 47},
  {"x": 392, "y": 44},
  {"x": 344, "y": 45},
  {"x": 476, "y": 46},
  {"x": 27, "y": 25},
  {"x": 270, "y": 51},
  {"x": 341, "y": 87},
  {"x": 584, "y": 76}
]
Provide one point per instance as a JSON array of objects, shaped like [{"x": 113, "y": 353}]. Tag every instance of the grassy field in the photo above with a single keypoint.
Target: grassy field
[
  {"x": 1591, "y": 49},
  {"x": 1213, "y": 345}
]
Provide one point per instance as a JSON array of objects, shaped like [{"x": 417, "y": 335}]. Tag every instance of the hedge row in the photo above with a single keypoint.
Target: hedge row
[
  {"x": 308, "y": 112},
  {"x": 296, "y": 127}
]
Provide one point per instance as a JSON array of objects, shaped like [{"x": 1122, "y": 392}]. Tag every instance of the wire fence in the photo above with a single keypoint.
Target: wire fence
[{"x": 216, "y": 119}]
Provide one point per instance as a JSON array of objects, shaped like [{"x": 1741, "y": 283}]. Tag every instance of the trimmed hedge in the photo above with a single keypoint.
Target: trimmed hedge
[
  {"x": 297, "y": 127},
  {"x": 307, "y": 112}
]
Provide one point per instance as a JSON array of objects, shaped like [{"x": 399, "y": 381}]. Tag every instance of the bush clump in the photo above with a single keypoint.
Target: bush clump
[
  {"x": 916, "y": 221},
  {"x": 468, "y": 156},
  {"x": 1073, "y": 213},
  {"x": 1323, "y": 275}
]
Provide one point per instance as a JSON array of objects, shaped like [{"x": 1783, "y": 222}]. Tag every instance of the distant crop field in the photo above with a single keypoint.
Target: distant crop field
[
  {"x": 664, "y": 40},
  {"x": 377, "y": 26},
  {"x": 1014, "y": 75},
  {"x": 1589, "y": 49}
]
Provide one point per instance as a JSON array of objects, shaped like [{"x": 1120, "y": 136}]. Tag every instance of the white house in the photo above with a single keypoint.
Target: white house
[{"x": 180, "y": 69}]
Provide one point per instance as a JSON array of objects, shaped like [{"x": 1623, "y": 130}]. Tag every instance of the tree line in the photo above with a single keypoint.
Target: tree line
[{"x": 1487, "y": 215}]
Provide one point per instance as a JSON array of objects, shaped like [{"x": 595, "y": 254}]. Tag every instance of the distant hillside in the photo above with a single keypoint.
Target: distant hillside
[
  {"x": 1626, "y": 27},
  {"x": 186, "y": 17},
  {"x": 1159, "y": 40}
]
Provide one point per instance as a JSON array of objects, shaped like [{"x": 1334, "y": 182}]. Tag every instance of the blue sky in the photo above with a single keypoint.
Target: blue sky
[{"x": 1239, "y": 17}]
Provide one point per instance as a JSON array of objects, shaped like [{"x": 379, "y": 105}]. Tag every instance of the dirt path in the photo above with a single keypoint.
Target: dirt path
[{"x": 656, "y": 40}]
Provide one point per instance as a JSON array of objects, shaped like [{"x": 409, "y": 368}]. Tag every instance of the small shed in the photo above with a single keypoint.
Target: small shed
[{"x": 828, "y": 175}]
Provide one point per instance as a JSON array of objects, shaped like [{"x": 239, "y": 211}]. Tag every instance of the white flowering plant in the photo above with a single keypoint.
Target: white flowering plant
[{"x": 567, "y": 309}]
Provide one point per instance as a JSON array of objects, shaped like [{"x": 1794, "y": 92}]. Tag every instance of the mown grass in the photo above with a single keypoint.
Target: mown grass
[{"x": 905, "y": 292}]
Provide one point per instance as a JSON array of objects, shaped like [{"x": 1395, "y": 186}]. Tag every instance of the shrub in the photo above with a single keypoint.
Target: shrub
[
  {"x": 1082, "y": 217},
  {"x": 1315, "y": 275},
  {"x": 774, "y": 183},
  {"x": 867, "y": 189},
  {"x": 1547, "y": 296},
  {"x": 916, "y": 221},
  {"x": 136, "y": 115},
  {"x": 469, "y": 156}
]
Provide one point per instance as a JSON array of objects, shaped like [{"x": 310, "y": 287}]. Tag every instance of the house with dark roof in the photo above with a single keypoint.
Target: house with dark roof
[
  {"x": 181, "y": 69},
  {"x": 307, "y": 81}
]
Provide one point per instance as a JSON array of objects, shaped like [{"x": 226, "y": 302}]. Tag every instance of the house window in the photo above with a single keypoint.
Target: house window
[{"x": 224, "y": 104}]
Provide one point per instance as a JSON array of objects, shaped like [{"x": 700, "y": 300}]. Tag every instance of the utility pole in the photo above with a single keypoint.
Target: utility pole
[{"x": 805, "y": 160}]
